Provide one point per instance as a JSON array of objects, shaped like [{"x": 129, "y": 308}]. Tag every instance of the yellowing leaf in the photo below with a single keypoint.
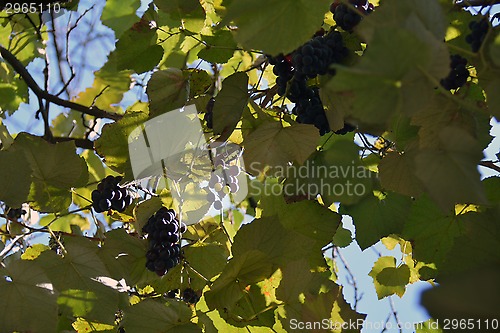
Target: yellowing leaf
[{"x": 387, "y": 290}]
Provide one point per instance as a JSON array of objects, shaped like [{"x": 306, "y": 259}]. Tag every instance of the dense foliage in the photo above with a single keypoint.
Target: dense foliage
[{"x": 380, "y": 111}]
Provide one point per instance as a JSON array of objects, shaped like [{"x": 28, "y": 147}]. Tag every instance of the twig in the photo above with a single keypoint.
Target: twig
[
  {"x": 41, "y": 94},
  {"x": 11, "y": 245},
  {"x": 395, "y": 314},
  {"x": 490, "y": 164},
  {"x": 351, "y": 278}
]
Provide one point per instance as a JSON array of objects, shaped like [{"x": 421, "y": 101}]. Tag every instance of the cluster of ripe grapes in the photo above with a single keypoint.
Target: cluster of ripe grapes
[
  {"x": 221, "y": 183},
  {"x": 346, "y": 17},
  {"x": 188, "y": 295},
  {"x": 163, "y": 231},
  {"x": 479, "y": 29},
  {"x": 307, "y": 62},
  {"x": 458, "y": 75},
  {"x": 109, "y": 195}
]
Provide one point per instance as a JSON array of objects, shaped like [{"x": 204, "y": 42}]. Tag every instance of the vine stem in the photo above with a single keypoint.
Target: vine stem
[
  {"x": 43, "y": 94},
  {"x": 351, "y": 278}
]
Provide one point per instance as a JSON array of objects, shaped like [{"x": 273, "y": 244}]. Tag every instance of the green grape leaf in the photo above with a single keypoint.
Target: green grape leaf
[
  {"x": 386, "y": 290},
  {"x": 230, "y": 103},
  {"x": 259, "y": 235},
  {"x": 431, "y": 232},
  {"x": 95, "y": 165},
  {"x": 12, "y": 95},
  {"x": 21, "y": 39},
  {"x": 275, "y": 26},
  {"x": 451, "y": 299},
  {"x": 186, "y": 13},
  {"x": 6, "y": 139},
  {"x": 310, "y": 219},
  {"x": 150, "y": 316},
  {"x": 397, "y": 13},
  {"x": 393, "y": 277},
  {"x": 443, "y": 113},
  {"x": 336, "y": 173},
  {"x": 106, "y": 91},
  {"x": 450, "y": 174},
  {"x": 292, "y": 285},
  {"x": 139, "y": 42},
  {"x": 75, "y": 274},
  {"x": 342, "y": 237},
  {"x": 199, "y": 83},
  {"x": 65, "y": 222},
  {"x": 375, "y": 218},
  {"x": 249, "y": 267},
  {"x": 490, "y": 81},
  {"x": 15, "y": 177},
  {"x": 167, "y": 90},
  {"x": 55, "y": 170},
  {"x": 397, "y": 173},
  {"x": 28, "y": 303},
  {"x": 273, "y": 145},
  {"x": 112, "y": 145},
  {"x": 120, "y": 16},
  {"x": 494, "y": 50},
  {"x": 69, "y": 124},
  {"x": 124, "y": 256},
  {"x": 220, "y": 47},
  {"x": 250, "y": 310},
  {"x": 207, "y": 259},
  {"x": 376, "y": 90},
  {"x": 477, "y": 246}
]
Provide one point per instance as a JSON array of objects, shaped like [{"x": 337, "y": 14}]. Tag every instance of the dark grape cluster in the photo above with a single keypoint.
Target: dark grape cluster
[
  {"x": 109, "y": 195},
  {"x": 163, "y": 231},
  {"x": 310, "y": 60},
  {"x": 479, "y": 29},
  {"x": 188, "y": 295},
  {"x": 308, "y": 106},
  {"x": 209, "y": 115},
  {"x": 346, "y": 17},
  {"x": 15, "y": 213},
  {"x": 458, "y": 75},
  {"x": 315, "y": 56},
  {"x": 283, "y": 70},
  {"x": 226, "y": 180}
]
